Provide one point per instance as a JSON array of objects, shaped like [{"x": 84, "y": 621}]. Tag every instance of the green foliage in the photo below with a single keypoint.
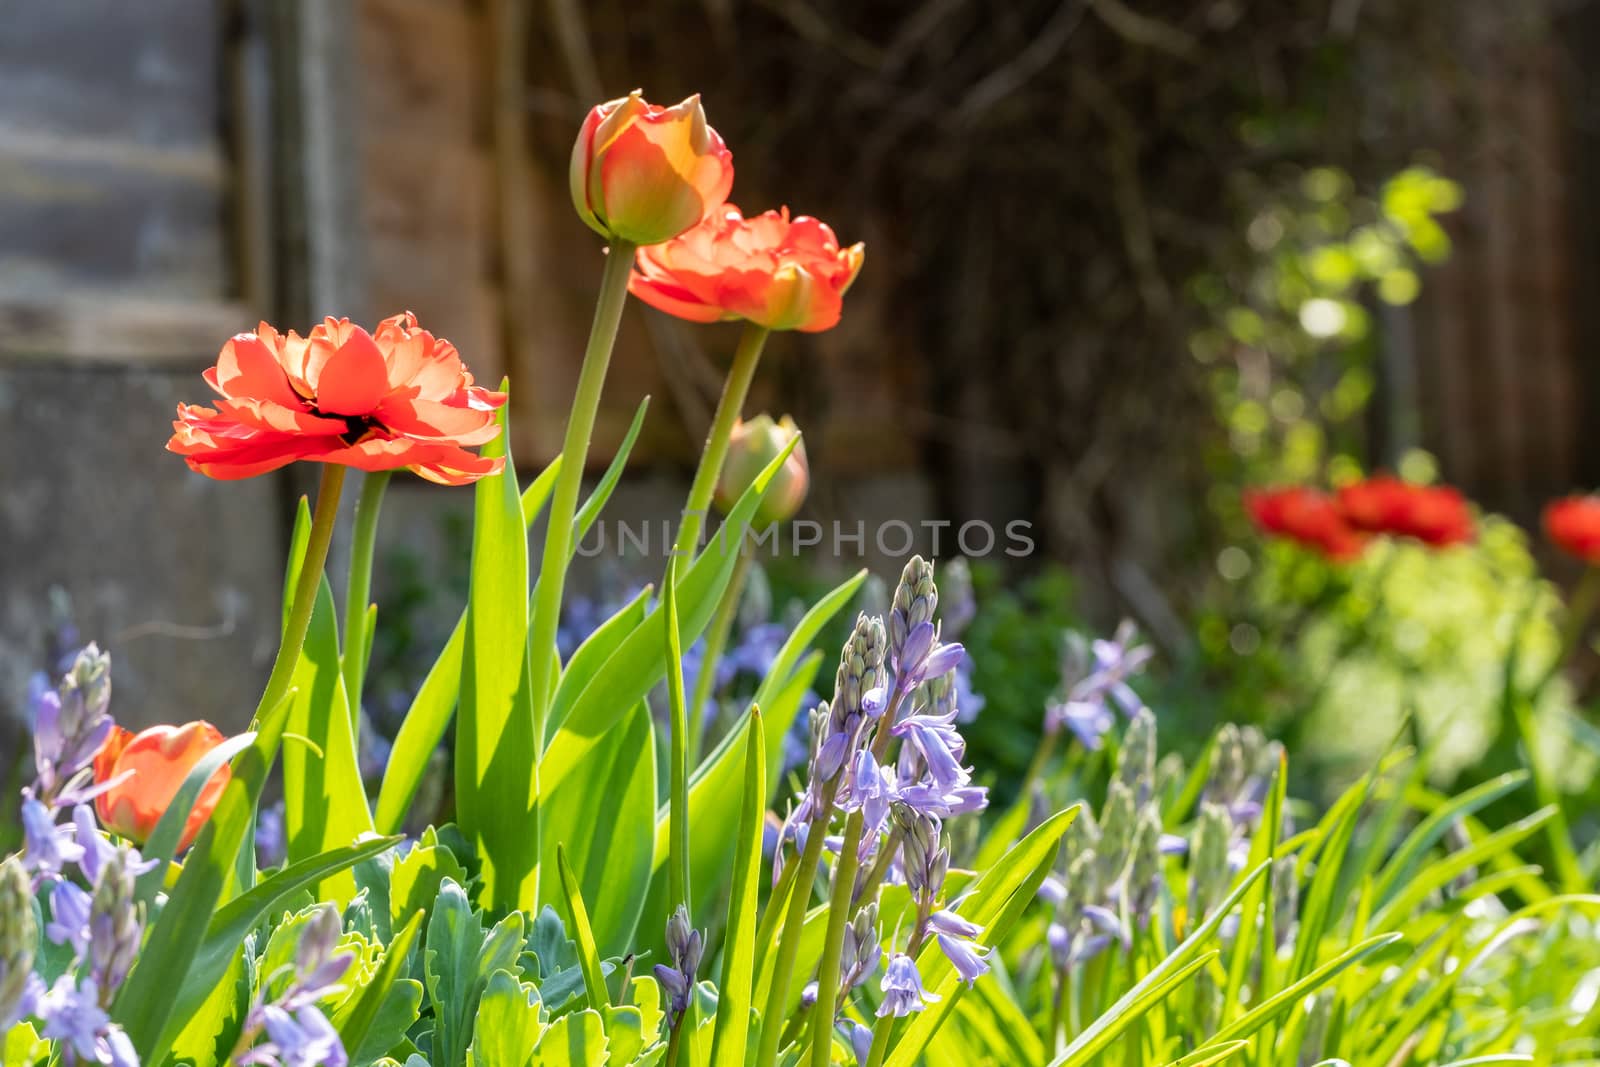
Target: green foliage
[{"x": 1015, "y": 644}]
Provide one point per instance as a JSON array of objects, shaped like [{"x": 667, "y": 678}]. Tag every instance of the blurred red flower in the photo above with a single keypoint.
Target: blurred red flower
[
  {"x": 777, "y": 272},
  {"x": 1574, "y": 525},
  {"x": 1306, "y": 516},
  {"x": 398, "y": 397},
  {"x": 155, "y": 762},
  {"x": 1436, "y": 515}
]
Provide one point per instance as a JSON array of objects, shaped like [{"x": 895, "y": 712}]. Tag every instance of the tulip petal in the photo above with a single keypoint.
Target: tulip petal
[{"x": 355, "y": 378}]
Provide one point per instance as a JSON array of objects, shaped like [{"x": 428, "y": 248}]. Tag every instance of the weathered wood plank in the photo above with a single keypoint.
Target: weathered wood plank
[{"x": 91, "y": 327}]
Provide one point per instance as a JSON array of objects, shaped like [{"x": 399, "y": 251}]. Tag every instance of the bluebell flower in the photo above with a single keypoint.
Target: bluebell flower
[
  {"x": 1095, "y": 681},
  {"x": 74, "y": 1016},
  {"x": 1088, "y": 721},
  {"x": 966, "y": 957},
  {"x": 272, "y": 840},
  {"x": 97, "y": 847},
  {"x": 860, "y": 1042},
  {"x": 902, "y": 988},
  {"x": 939, "y": 748},
  {"x": 46, "y": 849},
  {"x": 70, "y": 726},
  {"x": 304, "y": 1038},
  {"x": 69, "y": 917}
]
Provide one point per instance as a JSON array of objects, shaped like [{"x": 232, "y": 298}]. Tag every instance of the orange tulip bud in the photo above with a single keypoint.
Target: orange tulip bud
[
  {"x": 155, "y": 762},
  {"x": 753, "y": 445},
  {"x": 644, "y": 173}
]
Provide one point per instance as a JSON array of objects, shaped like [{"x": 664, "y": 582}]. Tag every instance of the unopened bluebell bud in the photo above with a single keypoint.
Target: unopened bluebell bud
[
  {"x": 1136, "y": 761},
  {"x": 916, "y": 599},
  {"x": 18, "y": 938},
  {"x": 1209, "y": 875},
  {"x": 116, "y": 921},
  {"x": 677, "y": 976},
  {"x": 1117, "y": 822},
  {"x": 859, "y": 956}
]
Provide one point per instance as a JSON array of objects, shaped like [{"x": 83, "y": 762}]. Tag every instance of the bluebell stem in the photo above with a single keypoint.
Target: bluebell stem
[
  {"x": 18, "y": 938},
  {"x": 677, "y": 976},
  {"x": 902, "y": 988},
  {"x": 116, "y": 921},
  {"x": 70, "y": 725}
]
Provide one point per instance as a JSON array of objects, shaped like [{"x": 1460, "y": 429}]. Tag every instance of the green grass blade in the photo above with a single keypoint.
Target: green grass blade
[
  {"x": 736, "y": 989},
  {"x": 429, "y": 715},
  {"x": 1292, "y": 995},
  {"x": 1092, "y": 1039},
  {"x": 1403, "y": 864},
  {"x": 594, "y": 979},
  {"x": 324, "y": 805},
  {"x": 497, "y": 751}
]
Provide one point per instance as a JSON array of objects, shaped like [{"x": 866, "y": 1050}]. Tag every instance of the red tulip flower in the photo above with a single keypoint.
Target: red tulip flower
[
  {"x": 774, "y": 271},
  {"x": 153, "y": 765},
  {"x": 398, "y": 397},
  {"x": 644, "y": 173},
  {"x": 1436, "y": 515},
  {"x": 1307, "y": 517},
  {"x": 1574, "y": 525}
]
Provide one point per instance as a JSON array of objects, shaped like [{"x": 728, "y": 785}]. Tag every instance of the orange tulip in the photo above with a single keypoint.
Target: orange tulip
[
  {"x": 398, "y": 397},
  {"x": 155, "y": 763},
  {"x": 1574, "y": 525},
  {"x": 752, "y": 445},
  {"x": 777, "y": 272},
  {"x": 644, "y": 173}
]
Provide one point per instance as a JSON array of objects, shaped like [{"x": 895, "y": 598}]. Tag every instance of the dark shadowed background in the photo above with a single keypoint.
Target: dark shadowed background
[{"x": 1124, "y": 256}]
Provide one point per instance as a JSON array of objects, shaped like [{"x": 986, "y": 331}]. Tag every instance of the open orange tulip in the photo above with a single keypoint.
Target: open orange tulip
[
  {"x": 774, "y": 271},
  {"x": 396, "y": 398},
  {"x": 155, "y": 763},
  {"x": 644, "y": 173}
]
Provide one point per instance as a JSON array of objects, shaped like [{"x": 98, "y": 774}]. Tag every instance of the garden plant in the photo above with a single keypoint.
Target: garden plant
[{"x": 866, "y": 904}]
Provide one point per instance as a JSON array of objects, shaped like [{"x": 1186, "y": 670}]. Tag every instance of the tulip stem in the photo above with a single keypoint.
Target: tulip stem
[
  {"x": 716, "y": 643},
  {"x": 358, "y": 590},
  {"x": 734, "y": 390},
  {"x": 564, "y": 498},
  {"x": 323, "y": 517}
]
